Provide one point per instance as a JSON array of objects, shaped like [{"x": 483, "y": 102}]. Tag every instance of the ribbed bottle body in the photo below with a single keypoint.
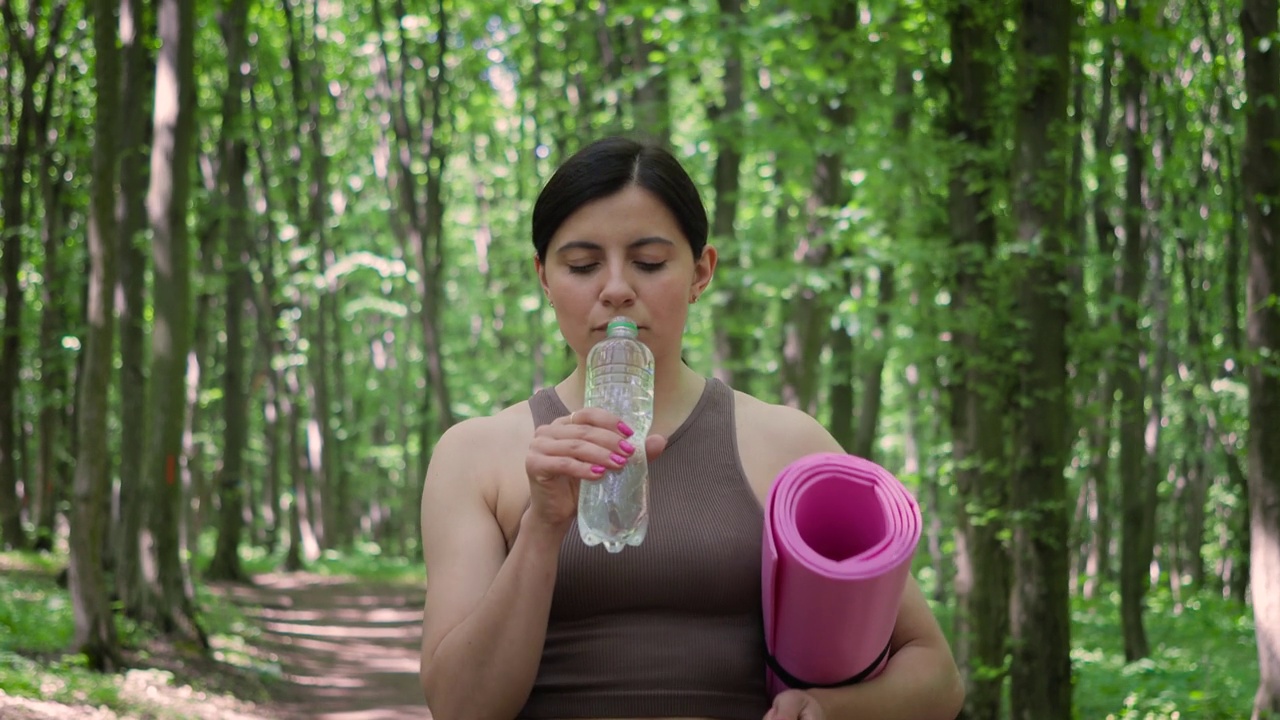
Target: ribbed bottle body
[{"x": 614, "y": 510}]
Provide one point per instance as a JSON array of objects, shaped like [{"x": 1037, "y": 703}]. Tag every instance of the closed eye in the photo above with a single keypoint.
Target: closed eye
[
  {"x": 582, "y": 269},
  {"x": 650, "y": 267}
]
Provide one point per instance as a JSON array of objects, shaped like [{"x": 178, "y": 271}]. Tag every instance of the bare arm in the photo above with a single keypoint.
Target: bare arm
[
  {"x": 480, "y": 647},
  {"x": 920, "y": 681},
  {"x": 486, "y": 612}
]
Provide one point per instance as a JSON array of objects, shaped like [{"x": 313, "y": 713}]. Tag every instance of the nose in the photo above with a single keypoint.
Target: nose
[{"x": 617, "y": 291}]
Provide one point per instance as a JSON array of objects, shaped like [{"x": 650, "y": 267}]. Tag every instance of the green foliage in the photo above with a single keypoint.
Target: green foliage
[
  {"x": 36, "y": 629},
  {"x": 65, "y": 680},
  {"x": 1203, "y": 663},
  {"x": 527, "y": 83}
]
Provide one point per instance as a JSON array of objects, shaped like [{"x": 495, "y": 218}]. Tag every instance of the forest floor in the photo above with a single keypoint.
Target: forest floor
[{"x": 337, "y": 649}]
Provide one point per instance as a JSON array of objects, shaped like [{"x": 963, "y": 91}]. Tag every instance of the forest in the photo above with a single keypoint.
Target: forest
[{"x": 256, "y": 257}]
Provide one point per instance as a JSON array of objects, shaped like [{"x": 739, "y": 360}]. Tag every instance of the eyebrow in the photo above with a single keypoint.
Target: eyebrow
[{"x": 589, "y": 245}]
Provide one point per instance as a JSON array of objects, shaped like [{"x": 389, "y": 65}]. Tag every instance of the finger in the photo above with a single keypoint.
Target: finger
[
  {"x": 790, "y": 705},
  {"x": 576, "y": 455},
  {"x": 551, "y": 439},
  {"x": 547, "y": 467},
  {"x": 654, "y": 445},
  {"x": 596, "y": 417}
]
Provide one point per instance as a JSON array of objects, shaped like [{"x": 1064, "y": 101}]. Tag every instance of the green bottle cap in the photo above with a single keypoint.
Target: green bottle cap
[{"x": 620, "y": 322}]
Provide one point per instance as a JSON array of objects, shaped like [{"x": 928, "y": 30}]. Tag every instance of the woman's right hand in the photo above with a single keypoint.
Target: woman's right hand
[{"x": 581, "y": 446}]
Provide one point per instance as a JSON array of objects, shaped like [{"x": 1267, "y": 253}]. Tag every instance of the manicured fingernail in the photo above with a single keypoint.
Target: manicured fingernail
[
  {"x": 625, "y": 429},
  {"x": 618, "y": 458},
  {"x": 597, "y": 469},
  {"x": 626, "y": 447}
]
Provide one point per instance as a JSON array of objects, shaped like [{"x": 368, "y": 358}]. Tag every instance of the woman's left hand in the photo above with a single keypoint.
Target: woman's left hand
[{"x": 795, "y": 705}]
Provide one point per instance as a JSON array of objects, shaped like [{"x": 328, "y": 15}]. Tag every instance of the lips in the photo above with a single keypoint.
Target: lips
[{"x": 605, "y": 326}]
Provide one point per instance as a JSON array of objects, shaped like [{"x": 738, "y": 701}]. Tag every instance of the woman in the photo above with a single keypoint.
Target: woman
[{"x": 521, "y": 618}]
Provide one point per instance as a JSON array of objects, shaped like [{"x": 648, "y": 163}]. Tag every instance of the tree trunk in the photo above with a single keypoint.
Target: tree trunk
[
  {"x": 733, "y": 331},
  {"x": 844, "y": 367},
  {"x": 167, "y": 195},
  {"x": 137, "y": 84},
  {"x": 1097, "y": 562},
  {"x": 1040, "y": 610},
  {"x": 1134, "y": 551},
  {"x": 1193, "y": 482},
  {"x": 269, "y": 343},
  {"x": 55, "y": 387},
  {"x": 95, "y": 634},
  {"x": 1157, "y": 362},
  {"x": 12, "y": 211},
  {"x": 807, "y": 329},
  {"x": 1261, "y": 174},
  {"x": 1220, "y": 65},
  {"x": 225, "y": 564},
  {"x": 651, "y": 99},
  {"x": 982, "y": 563},
  {"x": 868, "y": 422},
  {"x": 1100, "y": 431},
  {"x": 302, "y": 541},
  {"x": 423, "y": 219},
  {"x": 304, "y": 82}
]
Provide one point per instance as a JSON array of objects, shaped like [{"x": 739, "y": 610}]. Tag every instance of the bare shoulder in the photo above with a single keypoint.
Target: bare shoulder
[
  {"x": 789, "y": 429},
  {"x": 463, "y": 542},
  {"x": 479, "y": 449},
  {"x": 471, "y": 466},
  {"x": 772, "y": 436}
]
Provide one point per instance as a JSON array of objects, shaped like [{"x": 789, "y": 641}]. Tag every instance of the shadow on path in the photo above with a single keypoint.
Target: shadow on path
[{"x": 348, "y": 650}]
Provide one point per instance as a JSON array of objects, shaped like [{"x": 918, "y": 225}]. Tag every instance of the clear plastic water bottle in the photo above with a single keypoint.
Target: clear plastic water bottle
[{"x": 614, "y": 510}]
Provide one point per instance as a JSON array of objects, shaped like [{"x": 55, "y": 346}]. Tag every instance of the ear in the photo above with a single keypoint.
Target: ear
[
  {"x": 541, "y": 269},
  {"x": 703, "y": 270}
]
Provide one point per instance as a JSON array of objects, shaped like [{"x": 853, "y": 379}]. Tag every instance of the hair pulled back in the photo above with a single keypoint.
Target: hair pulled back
[{"x": 609, "y": 166}]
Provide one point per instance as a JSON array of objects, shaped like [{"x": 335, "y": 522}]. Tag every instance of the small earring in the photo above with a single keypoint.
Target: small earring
[{"x": 693, "y": 299}]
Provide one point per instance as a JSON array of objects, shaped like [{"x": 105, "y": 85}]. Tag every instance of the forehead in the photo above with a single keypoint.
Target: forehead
[{"x": 628, "y": 215}]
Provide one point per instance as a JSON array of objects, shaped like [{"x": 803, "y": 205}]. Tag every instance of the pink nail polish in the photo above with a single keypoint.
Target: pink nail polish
[
  {"x": 597, "y": 469},
  {"x": 618, "y": 459},
  {"x": 625, "y": 429},
  {"x": 626, "y": 447}
]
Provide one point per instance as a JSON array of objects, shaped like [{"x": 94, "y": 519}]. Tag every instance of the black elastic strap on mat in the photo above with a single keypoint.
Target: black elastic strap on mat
[{"x": 796, "y": 683}]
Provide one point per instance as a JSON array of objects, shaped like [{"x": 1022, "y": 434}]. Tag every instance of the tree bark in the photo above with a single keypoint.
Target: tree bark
[
  {"x": 138, "y": 82},
  {"x": 1040, "y": 610},
  {"x": 733, "y": 331},
  {"x": 1098, "y": 563},
  {"x": 225, "y": 564},
  {"x": 982, "y": 579},
  {"x": 55, "y": 386},
  {"x": 1261, "y": 174},
  {"x": 167, "y": 195},
  {"x": 423, "y": 218},
  {"x": 95, "y": 634},
  {"x": 266, "y": 321},
  {"x": 1221, "y": 64},
  {"x": 807, "y": 329},
  {"x": 1134, "y": 551},
  {"x": 305, "y": 82},
  {"x": 36, "y": 69},
  {"x": 867, "y": 425},
  {"x": 1193, "y": 483},
  {"x": 651, "y": 99}
]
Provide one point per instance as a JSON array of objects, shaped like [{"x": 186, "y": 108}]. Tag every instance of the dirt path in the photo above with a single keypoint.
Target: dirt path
[{"x": 348, "y": 650}]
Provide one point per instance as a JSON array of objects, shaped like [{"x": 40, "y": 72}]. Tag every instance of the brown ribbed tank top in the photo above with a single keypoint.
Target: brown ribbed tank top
[{"x": 671, "y": 628}]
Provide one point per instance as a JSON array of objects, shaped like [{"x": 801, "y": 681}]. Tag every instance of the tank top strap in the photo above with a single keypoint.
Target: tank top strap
[{"x": 545, "y": 406}]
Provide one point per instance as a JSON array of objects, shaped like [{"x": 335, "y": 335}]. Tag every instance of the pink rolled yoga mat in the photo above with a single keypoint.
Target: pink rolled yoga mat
[{"x": 839, "y": 535}]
